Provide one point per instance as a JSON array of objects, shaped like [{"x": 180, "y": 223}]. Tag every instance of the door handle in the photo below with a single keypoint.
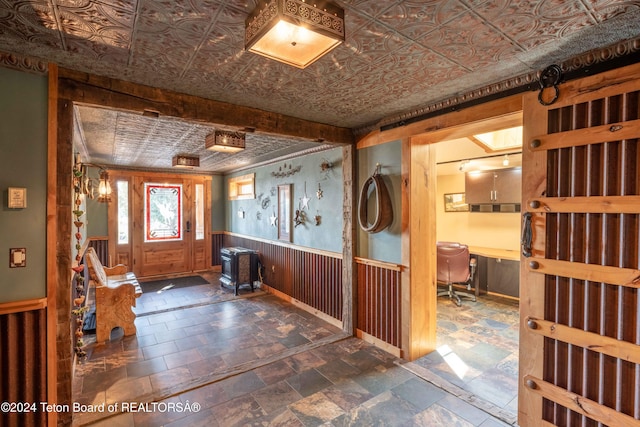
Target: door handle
[
  {"x": 188, "y": 229},
  {"x": 527, "y": 235}
]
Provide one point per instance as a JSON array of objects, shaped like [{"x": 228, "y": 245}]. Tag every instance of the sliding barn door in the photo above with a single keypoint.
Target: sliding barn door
[{"x": 580, "y": 312}]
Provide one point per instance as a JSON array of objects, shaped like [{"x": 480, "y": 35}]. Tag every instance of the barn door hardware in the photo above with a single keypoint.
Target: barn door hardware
[
  {"x": 550, "y": 78},
  {"x": 527, "y": 235}
]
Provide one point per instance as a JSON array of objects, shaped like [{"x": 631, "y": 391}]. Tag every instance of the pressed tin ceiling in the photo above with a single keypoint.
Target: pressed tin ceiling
[{"x": 398, "y": 58}]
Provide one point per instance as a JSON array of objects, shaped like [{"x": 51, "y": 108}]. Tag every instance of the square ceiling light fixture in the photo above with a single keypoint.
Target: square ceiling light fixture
[
  {"x": 293, "y": 31},
  {"x": 225, "y": 141},
  {"x": 181, "y": 161}
]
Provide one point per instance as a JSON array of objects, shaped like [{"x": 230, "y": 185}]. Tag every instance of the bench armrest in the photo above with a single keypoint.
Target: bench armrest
[{"x": 115, "y": 270}]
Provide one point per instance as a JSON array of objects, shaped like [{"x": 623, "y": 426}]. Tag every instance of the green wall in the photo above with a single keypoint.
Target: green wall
[
  {"x": 385, "y": 245},
  {"x": 217, "y": 203},
  {"x": 23, "y": 163},
  {"x": 325, "y": 236}
]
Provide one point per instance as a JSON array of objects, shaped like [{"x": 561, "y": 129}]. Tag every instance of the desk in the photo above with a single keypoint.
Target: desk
[
  {"x": 498, "y": 270},
  {"x": 513, "y": 255}
]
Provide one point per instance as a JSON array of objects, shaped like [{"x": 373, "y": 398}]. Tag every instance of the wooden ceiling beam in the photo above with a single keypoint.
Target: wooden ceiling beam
[
  {"x": 95, "y": 90},
  {"x": 494, "y": 115}
]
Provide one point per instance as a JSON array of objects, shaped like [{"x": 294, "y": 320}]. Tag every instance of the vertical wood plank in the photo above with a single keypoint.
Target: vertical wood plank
[
  {"x": 52, "y": 238},
  {"x": 64, "y": 262},
  {"x": 349, "y": 273},
  {"x": 405, "y": 243},
  {"x": 421, "y": 292},
  {"x": 532, "y": 286}
]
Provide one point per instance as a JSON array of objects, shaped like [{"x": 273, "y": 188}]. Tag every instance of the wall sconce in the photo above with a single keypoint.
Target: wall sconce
[
  {"x": 180, "y": 161},
  {"x": 225, "y": 141},
  {"x": 104, "y": 188},
  {"x": 85, "y": 185},
  {"x": 463, "y": 165},
  {"x": 293, "y": 31}
]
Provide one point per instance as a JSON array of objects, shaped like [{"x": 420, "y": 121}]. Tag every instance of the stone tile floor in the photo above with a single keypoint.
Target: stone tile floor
[{"x": 256, "y": 360}]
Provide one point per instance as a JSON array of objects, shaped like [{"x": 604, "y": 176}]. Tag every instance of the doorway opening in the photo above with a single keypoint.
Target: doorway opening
[{"x": 478, "y": 335}]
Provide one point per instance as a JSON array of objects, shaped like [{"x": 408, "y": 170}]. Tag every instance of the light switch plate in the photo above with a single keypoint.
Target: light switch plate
[{"x": 17, "y": 257}]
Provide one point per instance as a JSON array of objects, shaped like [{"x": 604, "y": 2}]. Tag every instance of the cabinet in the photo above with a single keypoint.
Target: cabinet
[
  {"x": 498, "y": 276},
  {"x": 500, "y": 186}
]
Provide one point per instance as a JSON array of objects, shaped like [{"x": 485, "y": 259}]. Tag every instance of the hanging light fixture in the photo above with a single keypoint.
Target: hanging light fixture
[
  {"x": 181, "y": 161},
  {"x": 225, "y": 141},
  {"x": 293, "y": 31},
  {"x": 104, "y": 188}
]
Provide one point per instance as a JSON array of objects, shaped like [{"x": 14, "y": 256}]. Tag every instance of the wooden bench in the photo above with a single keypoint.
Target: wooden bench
[{"x": 116, "y": 291}]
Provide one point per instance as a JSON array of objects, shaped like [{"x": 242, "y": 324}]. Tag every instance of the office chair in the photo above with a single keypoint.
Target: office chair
[{"x": 455, "y": 266}]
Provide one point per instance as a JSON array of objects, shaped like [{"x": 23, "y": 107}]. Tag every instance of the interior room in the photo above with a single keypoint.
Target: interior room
[
  {"x": 477, "y": 333},
  {"x": 208, "y": 224}
]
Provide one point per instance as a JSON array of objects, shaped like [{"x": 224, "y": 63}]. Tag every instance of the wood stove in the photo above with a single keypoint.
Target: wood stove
[{"x": 239, "y": 267}]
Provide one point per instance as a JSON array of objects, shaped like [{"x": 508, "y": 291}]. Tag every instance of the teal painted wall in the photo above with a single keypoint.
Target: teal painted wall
[
  {"x": 96, "y": 217},
  {"x": 23, "y": 163},
  {"x": 325, "y": 236},
  {"x": 217, "y": 203},
  {"x": 385, "y": 245}
]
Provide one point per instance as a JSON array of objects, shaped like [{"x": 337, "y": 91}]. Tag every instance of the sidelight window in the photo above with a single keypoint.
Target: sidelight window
[
  {"x": 199, "y": 212},
  {"x": 122, "y": 188}
]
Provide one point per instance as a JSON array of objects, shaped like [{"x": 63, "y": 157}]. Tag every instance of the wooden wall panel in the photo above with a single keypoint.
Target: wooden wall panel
[
  {"x": 101, "y": 246},
  {"x": 313, "y": 278},
  {"x": 217, "y": 243},
  {"x": 379, "y": 301},
  {"x": 23, "y": 365}
]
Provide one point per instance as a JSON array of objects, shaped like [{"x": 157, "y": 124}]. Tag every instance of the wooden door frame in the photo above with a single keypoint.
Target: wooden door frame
[
  {"x": 67, "y": 87},
  {"x": 131, "y": 177},
  {"x": 418, "y": 239}
]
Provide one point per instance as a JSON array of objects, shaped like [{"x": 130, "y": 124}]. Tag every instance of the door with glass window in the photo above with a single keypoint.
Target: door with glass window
[{"x": 158, "y": 224}]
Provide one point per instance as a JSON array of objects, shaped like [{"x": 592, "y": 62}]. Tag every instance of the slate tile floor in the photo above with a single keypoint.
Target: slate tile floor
[
  {"x": 259, "y": 361},
  {"x": 478, "y": 349}
]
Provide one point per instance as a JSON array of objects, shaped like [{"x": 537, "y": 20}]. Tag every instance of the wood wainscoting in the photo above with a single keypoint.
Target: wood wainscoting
[
  {"x": 217, "y": 243},
  {"x": 309, "y": 276},
  {"x": 379, "y": 304},
  {"x": 23, "y": 361}
]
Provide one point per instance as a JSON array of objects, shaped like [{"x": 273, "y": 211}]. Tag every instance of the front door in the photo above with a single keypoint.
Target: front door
[
  {"x": 580, "y": 311},
  {"x": 159, "y": 223}
]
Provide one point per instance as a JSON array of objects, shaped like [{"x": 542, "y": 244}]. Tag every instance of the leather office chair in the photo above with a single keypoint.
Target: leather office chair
[{"x": 455, "y": 266}]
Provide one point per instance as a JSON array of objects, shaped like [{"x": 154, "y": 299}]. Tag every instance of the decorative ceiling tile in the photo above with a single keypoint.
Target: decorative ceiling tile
[
  {"x": 375, "y": 40},
  {"x": 471, "y": 43},
  {"x": 158, "y": 16},
  {"x": 371, "y": 8},
  {"x": 128, "y": 5},
  {"x": 338, "y": 65},
  {"x": 30, "y": 21},
  {"x": 96, "y": 18},
  {"x": 400, "y": 57},
  {"x": 168, "y": 51},
  {"x": 416, "y": 18},
  {"x": 109, "y": 50},
  {"x": 230, "y": 35},
  {"x": 533, "y": 23},
  {"x": 608, "y": 9}
]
